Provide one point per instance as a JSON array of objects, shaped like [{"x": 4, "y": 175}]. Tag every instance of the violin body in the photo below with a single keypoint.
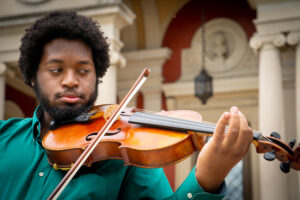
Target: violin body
[{"x": 137, "y": 145}]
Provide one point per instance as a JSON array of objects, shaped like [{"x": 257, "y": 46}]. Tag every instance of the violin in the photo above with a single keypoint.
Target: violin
[
  {"x": 146, "y": 140},
  {"x": 140, "y": 139}
]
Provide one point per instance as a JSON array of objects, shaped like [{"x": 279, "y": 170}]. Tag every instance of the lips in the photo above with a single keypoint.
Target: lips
[{"x": 70, "y": 97}]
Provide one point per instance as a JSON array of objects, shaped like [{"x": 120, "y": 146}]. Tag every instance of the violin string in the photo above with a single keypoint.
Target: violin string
[
  {"x": 183, "y": 121},
  {"x": 260, "y": 136},
  {"x": 162, "y": 119},
  {"x": 176, "y": 120},
  {"x": 210, "y": 127},
  {"x": 155, "y": 115}
]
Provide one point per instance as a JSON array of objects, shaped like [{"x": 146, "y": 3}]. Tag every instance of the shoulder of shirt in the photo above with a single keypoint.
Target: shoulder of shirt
[{"x": 13, "y": 122}]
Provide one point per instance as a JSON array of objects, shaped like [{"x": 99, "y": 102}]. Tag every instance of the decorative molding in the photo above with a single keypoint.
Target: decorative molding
[
  {"x": 115, "y": 44},
  {"x": 117, "y": 14},
  {"x": 2, "y": 68},
  {"x": 233, "y": 84},
  {"x": 219, "y": 103},
  {"x": 9, "y": 56},
  {"x": 116, "y": 58},
  {"x": 97, "y": 9},
  {"x": 32, "y": 2},
  {"x": 148, "y": 54},
  {"x": 293, "y": 38},
  {"x": 277, "y": 16},
  {"x": 258, "y": 40}
]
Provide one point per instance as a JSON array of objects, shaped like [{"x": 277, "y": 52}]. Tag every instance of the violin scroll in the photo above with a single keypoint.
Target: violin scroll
[{"x": 273, "y": 147}]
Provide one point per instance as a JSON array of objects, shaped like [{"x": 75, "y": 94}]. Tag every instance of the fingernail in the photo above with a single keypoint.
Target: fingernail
[
  {"x": 226, "y": 114},
  {"x": 234, "y": 109}
]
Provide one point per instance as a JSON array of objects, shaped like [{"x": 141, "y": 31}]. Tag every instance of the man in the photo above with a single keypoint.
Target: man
[{"x": 62, "y": 57}]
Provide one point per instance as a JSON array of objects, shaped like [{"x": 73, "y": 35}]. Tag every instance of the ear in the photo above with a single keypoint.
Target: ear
[{"x": 32, "y": 83}]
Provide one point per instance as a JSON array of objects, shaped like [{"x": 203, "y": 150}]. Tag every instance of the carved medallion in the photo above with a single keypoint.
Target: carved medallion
[{"x": 226, "y": 45}]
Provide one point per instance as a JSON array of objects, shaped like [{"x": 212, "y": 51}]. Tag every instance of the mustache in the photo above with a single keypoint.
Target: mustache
[{"x": 69, "y": 92}]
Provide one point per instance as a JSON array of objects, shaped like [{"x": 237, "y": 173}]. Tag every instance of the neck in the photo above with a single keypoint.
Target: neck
[{"x": 45, "y": 124}]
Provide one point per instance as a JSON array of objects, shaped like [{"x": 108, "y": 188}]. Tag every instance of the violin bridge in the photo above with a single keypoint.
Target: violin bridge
[{"x": 109, "y": 111}]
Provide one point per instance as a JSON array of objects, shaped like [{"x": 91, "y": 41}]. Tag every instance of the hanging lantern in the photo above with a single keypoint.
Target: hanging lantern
[
  {"x": 203, "y": 82},
  {"x": 203, "y": 86}
]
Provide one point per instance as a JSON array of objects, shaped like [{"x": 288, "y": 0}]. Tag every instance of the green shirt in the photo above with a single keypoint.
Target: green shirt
[{"x": 26, "y": 174}]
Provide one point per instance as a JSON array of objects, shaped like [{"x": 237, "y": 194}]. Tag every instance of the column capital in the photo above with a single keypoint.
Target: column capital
[
  {"x": 257, "y": 41},
  {"x": 2, "y": 68},
  {"x": 116, "y": 58},
  {"x": 293, "y": 38}
]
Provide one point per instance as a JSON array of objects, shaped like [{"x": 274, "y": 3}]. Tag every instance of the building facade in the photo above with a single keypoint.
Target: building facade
[{"x": 252, "y": 53}]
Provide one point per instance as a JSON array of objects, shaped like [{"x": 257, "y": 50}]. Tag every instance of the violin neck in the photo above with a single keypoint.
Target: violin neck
[
  {"x": 202, "y": 128},
  {"x": 171, "y": 123}
]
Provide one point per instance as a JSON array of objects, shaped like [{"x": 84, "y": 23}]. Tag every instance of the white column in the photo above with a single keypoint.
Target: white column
[
  {"x": 112, "y": 20},
  {"x": 2, "y": 89},
  {"x": 152, "y": 88},
  {"x": 107, "y": 89},
  {"x": 293, "y": 39},
  {"x": 271, "y": 110}
]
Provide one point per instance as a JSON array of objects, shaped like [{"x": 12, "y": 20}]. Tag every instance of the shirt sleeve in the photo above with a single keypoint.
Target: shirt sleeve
[
  {"x": 190, "y": 189},
  {"x": 143, "y": 183}
]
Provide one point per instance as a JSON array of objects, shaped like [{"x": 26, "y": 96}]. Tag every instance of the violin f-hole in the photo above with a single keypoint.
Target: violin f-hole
[{"x": 89, "y": 137}]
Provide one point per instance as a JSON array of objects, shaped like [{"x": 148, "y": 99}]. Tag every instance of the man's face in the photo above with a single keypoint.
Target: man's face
[{"x": 66, "y": 83}]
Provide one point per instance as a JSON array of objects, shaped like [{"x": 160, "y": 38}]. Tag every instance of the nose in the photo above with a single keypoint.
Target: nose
[{"x": 70, "y": 79}]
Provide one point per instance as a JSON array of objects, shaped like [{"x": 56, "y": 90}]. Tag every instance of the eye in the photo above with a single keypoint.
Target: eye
[
  {"x": 84, "y": 71},
  {"x": 55, "y": 70}
]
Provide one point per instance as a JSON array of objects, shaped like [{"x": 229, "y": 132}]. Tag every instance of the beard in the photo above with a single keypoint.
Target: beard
[{"x": 69, "y": 110}]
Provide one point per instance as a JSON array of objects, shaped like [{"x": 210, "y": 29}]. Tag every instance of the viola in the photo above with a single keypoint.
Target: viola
[{"x": 146, "y": 140}]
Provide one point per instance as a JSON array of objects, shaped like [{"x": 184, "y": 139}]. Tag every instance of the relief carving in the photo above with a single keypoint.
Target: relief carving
[{"x": 226, "y": 48}]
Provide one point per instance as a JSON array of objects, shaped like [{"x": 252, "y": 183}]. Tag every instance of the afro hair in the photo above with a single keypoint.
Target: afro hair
[{"x": 67, "y": 25}]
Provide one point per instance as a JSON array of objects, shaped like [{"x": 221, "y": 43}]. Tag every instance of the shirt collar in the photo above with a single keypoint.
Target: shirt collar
[{"x": 36, "y": 124}]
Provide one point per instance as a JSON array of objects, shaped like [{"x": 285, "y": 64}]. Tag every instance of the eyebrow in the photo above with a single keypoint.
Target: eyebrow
[
  {"x": 85, "y": 62},
  {"x": 54, "y": 61}
]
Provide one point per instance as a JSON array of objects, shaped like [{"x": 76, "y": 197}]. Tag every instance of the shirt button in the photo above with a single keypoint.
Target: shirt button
[
  {"x": 189, "y": 195},
  {"x": 41, "y": 174}
]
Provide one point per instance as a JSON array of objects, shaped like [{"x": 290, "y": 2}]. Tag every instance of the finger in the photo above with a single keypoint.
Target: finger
[
  {"x": 245, "y": 136},
  {"x": 233, "y": 128},
  {"x": 220, "y": 127}
]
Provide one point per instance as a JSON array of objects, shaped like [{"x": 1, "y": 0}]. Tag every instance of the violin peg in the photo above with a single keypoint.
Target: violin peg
[
  {"x": 285, "y": 167},
  {"x": 275, "y": 135},
  {"x": 292, "y": 143},
  {"x": 269, "y": 156}
]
